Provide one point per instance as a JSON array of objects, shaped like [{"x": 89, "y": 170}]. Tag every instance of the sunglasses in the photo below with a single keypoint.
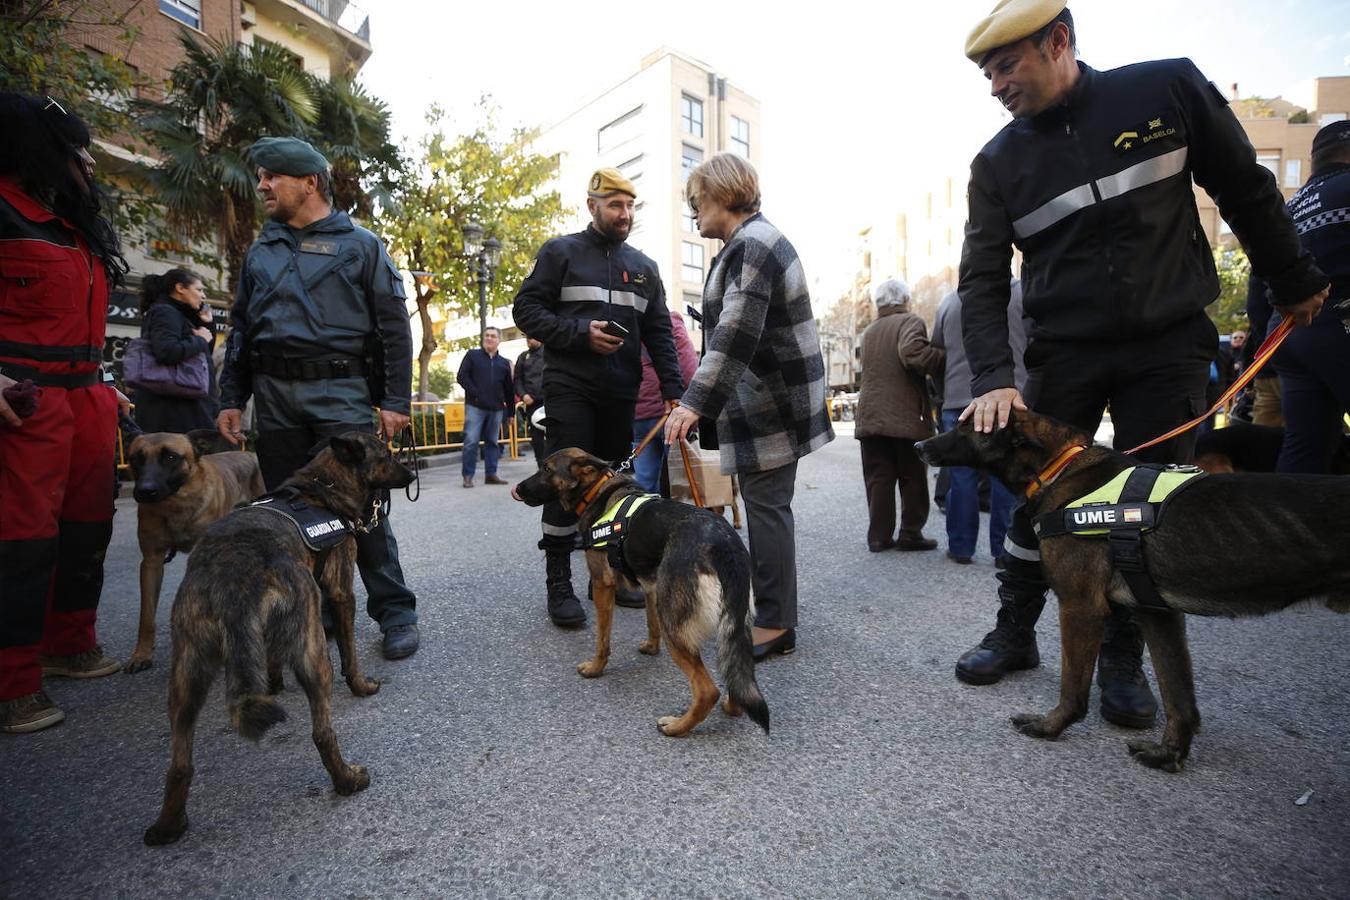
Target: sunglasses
[{"x": 51, "y": 103}]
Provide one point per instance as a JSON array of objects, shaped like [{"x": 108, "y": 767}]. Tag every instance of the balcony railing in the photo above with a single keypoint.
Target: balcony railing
[{"x": 346, "y": 16}]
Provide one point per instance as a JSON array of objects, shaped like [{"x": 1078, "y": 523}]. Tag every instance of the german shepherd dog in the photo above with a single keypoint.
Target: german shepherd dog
[
  {"x": 183, "y": 484},
  {"x": 1260, "y": 521},
  {"x": 693, "y": 568},
  {"x": 249, "y": 602}
]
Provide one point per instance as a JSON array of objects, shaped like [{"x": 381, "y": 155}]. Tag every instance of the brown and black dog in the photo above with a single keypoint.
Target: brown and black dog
[
  {"x": 183, "y": 483},
  {"x": 693, "y": 568},
  {"x": 1291, "y": 533},
  {"x": 249, "y": 602}
]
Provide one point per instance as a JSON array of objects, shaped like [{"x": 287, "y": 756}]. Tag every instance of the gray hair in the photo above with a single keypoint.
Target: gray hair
[{"x": 892, "y": 292}]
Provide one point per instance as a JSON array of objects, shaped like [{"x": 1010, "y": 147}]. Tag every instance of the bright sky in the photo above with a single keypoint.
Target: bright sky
[{"x": 863, "y": 103}]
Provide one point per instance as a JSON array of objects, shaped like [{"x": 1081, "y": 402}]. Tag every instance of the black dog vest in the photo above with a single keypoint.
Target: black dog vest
[{"x": 320, "y": 529}]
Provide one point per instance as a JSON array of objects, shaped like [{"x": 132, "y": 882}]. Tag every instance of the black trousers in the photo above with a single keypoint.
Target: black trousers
[
  {"x": 388, "y": 599},
  {"x": 1151, "y": 385},
  {"x": 601, "y": 426},
  {"x": 1314, "y": 367}
]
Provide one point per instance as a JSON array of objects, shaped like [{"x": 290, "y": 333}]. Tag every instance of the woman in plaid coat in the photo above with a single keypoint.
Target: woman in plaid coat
[{"x": 761, "y": 378}]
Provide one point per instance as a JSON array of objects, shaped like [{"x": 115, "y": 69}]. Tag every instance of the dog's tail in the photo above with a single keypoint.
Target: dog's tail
[
  {"x": 735, "y": 653},
  {"x": 252, "y": 709}
]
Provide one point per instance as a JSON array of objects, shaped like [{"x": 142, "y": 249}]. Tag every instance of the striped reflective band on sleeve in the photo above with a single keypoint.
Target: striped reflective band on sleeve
[
  {"x": 586, "y": 293},
  {"x": 1150, "y": 171}
]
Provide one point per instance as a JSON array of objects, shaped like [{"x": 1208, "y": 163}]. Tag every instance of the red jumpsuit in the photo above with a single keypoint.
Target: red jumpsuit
[{"x": 56, "y": 471}]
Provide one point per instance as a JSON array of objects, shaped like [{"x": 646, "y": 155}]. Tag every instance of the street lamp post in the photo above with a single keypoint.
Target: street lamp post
[{"x": 484, "y": 257}]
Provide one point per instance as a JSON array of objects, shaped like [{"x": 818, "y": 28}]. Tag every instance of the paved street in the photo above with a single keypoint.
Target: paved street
[{"x": 497, "y": 771}]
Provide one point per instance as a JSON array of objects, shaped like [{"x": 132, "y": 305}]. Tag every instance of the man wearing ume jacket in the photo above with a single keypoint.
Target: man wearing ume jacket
[
  {"x": 1091, "y": 181},
  {"x": 594, "y": 302}
]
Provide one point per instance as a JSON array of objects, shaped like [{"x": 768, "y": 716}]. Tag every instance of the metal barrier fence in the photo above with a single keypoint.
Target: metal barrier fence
[{"x": 426, "y": 437}]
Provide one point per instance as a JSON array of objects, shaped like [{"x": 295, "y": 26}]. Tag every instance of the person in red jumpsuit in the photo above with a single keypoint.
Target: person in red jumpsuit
[{"x": 58, "y": 256}]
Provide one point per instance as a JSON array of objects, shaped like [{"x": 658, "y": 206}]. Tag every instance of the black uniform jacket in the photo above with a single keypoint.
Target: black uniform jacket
[
  {"x": 1096, "y": 193},
  {"x": 582, "y": 277}
]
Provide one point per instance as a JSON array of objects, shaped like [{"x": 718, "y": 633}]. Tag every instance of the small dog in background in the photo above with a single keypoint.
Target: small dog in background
[
  {"x": 249, "y": 603},
  {"x": 183, "y": 483}
]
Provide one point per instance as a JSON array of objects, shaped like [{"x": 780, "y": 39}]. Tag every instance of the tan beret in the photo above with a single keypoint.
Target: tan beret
[
  {"x": 610, "y": 181},
  {"x": 1008, "y": 23}
]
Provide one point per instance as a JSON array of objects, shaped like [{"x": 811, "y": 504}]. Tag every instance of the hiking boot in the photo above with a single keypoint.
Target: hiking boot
[
  {"x": 1010, "y": 647},
  {"x": 493, "y": 479},
  {"x": 468, "y": 481},
  {"x": 31, "y": 712},
  {"x": 1127, "y": 700},
  {"x": 564, "y": 609},
  {"x": 400, "y": 641},
  {"x": 914, "y": 542},
  {"x": 89, "y": 664},
  {"x": 632, "y": 598}
]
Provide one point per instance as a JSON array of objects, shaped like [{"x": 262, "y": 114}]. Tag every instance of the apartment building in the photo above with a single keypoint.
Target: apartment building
[
  {"x": 1282, "y": 131},
  {"x": 655, "y": 126}
]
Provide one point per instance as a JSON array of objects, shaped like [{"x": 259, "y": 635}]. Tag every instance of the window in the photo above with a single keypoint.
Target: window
[
  {"x": 632, "y": 169},
  {"x": 1271, "y": 161},
  {"x": 691, "y": 115},
  {"x": 1293, "y": 173},
  {"x": 687, "y": 219},
  {"x": 692, "y": 263},
  {"x": 620, "y": 131},
  {"x": 189, "y": 12},
  {"x": 690, "y": 157},
  {"x": 740, "y": 137}
]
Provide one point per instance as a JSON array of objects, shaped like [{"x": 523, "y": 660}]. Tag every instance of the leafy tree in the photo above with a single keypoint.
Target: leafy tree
[
  {"x": 222, "y": 97},
  {"x": 484, "y": 176},
  {"x": 1229, "y": 312}
]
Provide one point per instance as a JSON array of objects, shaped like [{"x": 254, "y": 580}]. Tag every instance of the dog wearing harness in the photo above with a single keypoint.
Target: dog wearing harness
[{"x": 1165, "y": 541}]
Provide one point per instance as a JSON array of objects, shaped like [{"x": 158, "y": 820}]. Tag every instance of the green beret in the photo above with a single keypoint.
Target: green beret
[
  {"x": 1009, "y": 22},
  {"x": 287, "y": 156}
]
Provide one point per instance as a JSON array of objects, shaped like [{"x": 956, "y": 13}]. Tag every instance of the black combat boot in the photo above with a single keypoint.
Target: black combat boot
[
  {"x": 1126, "y": 698},
  {"x": 1010, "y": 646},
  {"x": 564, "y": 609}
]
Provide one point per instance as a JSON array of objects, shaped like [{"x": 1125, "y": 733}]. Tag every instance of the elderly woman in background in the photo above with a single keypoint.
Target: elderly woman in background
[
  {"x": 762, "y": 379},
  {"x": 893, "y": 413}
]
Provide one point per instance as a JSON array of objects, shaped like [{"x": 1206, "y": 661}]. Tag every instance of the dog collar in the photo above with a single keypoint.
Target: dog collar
[
  {"x": 590, "y": 494},
  {"x": 1051, "y": 472}
]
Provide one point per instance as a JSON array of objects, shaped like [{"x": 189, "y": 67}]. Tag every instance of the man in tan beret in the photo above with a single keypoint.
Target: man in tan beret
[
  {"x": 595, "y": 303},
  {"x": 1091, "y": 181}
]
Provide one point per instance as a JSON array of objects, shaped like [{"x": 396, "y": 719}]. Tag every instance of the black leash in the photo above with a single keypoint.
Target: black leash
[{"x": 405, "y": 451}]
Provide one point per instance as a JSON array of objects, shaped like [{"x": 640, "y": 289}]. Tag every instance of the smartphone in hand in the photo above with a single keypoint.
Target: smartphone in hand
[{"x": 615, "y": 329}]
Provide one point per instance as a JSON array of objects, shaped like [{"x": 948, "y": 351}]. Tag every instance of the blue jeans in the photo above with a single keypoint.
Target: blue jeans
[
  {"x": 647, "y": 467},
  {"x": 963, "y": 505},
  {"x": 481, "y": 425}
]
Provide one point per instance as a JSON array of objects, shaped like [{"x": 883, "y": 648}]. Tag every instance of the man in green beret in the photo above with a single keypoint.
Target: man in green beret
[
  {"x": 320, "y": 340},
  {"x": 1091, "y": 181}
]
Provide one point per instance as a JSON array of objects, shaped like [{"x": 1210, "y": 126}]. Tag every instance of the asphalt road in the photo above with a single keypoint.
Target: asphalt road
[{"x": 497, "y": 771}]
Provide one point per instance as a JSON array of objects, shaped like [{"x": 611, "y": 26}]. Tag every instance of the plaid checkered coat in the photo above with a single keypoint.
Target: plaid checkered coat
[{"x": 762, "y": 377}]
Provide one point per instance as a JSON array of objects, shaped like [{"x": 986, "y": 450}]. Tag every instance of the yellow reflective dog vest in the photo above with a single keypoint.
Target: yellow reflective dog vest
[
  {"x": 1121, "y": 511},
  {"x": 609, "y": 531}
]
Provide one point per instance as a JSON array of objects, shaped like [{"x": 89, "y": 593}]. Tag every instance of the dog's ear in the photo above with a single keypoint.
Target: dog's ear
[
  {"x": 349, "y": 451},
  {"x": 583, "y": 471},
  {"x": 206, "y": 440}
]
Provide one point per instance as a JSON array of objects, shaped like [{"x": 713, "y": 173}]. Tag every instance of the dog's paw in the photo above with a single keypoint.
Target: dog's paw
[
  {"x": 650, "y": 648},
  {"x": 669, "y": 726},
  {"x": 162, "y": 833},
  {"x": 1156, "y": 756},
  {"x": 1036, "y": 726},
  {"x": 591, "y": 668},
  {"x": 363, "y": 687},
  {"x": 731, "y": 707},
  {"x": 357, "y": 779},
  {"x": 137, "y": 664}
]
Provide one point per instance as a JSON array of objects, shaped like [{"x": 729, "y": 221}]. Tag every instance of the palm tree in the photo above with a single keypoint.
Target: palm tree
[{"x": 221, "y": 98}]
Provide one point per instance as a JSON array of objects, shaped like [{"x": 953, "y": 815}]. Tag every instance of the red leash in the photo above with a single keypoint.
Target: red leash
[{"x": 1263, "y": 355}]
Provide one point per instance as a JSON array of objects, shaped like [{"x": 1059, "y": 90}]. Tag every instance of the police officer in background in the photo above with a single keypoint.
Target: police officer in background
[
  {"x": 1314, "y": 363},
  {"x": 320, "y": 338},
  {"x": 1092, "y": 182},
  {"x": 594, "y": 302}
]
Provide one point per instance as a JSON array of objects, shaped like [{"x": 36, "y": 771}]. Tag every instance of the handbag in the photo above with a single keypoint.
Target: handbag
[
  {"x": 190, "y": 379},
  {"x": 704, "y": 467}
]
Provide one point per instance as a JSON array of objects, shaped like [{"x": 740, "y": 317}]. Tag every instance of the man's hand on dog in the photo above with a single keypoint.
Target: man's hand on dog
[
  {"x": 1307, "y": 310},
  {"x": 603, "y": 343},
  {"x": 392, "y": 424},
  {"x": 993, "y": 409},
  {"x": 230, "y": 424}
]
